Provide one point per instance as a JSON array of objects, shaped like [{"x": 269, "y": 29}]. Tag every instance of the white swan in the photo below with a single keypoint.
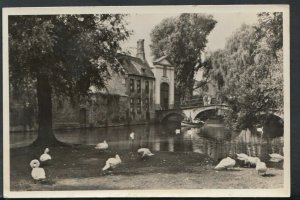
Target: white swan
[
  {"x": 251, "y": 161},
  {"x": 275, "y": 157},
  {"x": 225, "y": 163},
  {"x": 131, "y": 135},
  {"x": 102, "y": 146},
  {"x": 242, "y": 156},
  {"x": 190, "y": 132},
  {"x": 145, "y": 152},
  {"x": 260, "y": 130},
  {"x": 112, "y": 163},
  {"x": 45, "y": 156},
  {"x": 261, "y": 168},
  {"x": 37, "y": 173},
  {"x": 177, "y": 131}
]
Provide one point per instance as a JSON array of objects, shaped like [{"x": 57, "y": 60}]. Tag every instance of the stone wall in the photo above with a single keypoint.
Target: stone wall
[
  {"x": 65, "y": 114},
  {"x": 98, "y": 110}
]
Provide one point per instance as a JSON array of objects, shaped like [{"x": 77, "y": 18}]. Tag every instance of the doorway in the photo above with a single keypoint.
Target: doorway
[{"x": 164, "y": 96}]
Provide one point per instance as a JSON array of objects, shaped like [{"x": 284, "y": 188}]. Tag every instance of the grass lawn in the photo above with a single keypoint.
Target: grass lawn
[{"x": 80, "y": 168}]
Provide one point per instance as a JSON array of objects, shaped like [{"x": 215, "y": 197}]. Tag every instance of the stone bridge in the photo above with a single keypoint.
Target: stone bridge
[
  {"x": 188, "y": 112},
  {"x": 193, "y": 111}
]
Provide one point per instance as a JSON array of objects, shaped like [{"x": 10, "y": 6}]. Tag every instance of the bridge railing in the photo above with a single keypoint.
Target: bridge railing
[
  {"x": 194, "y": 102},
  {"x": 191, "y": 102}
]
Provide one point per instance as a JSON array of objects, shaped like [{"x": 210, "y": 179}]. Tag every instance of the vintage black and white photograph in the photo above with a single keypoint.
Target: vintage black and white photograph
[{"x": 109, "y": 101}]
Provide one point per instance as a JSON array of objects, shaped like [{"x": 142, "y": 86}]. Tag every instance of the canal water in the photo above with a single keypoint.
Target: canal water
[{"x": 211, "y": 139}]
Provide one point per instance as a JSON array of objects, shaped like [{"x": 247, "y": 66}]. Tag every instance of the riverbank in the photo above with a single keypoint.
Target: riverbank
[
  {"x": 77, "y": 126},
  {"x": 79, "y": 168}
]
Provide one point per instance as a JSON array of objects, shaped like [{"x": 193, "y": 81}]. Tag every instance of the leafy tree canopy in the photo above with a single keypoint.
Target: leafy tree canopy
[
  {"x": 73, "y": 50},
  {"x": 182, "y": 39},
  {"x": 248, "y": 71}
]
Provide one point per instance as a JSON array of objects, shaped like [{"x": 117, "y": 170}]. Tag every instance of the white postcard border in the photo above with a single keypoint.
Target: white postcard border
[{"x": 283, "y": 192}]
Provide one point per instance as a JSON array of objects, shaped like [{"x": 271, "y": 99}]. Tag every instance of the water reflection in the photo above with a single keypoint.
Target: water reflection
[
  {"x": 20, "y": 139},
  {"x": 211, "y": 139}
]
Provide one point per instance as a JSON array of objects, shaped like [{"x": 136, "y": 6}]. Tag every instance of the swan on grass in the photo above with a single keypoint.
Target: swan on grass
[
  {"x": 102, "y": 146},
  {"x": 45, "y": 156},
  {"x": 112, "y": 163},
  {"x": 145, "y": 152},
  {"x": 275, "y": 157},
  {"x": 225, "y": 163},
  {"x": 242, "y": 156},
  {"x": 261, "y": 168},
  {"x": 37, "y": 173},
  {"x": 251, "y": 161},
  {"x": 177, "y": 131}
]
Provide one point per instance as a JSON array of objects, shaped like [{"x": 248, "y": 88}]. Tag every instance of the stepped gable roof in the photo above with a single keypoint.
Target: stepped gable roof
[{"x": 135, "y": 66}]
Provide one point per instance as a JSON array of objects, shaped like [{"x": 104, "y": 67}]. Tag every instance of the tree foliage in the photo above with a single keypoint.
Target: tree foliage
[
  {"x": 249, "y": 70},
  {"x": 73, "y": 50},
  {"x": 182, "y": 39},
  {"x": 62, "y": 54}
]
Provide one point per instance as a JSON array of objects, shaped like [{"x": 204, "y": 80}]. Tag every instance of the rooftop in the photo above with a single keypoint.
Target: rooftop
[
  {"x": 162, "y": 61},
  {"x": 135, "y": 66}
]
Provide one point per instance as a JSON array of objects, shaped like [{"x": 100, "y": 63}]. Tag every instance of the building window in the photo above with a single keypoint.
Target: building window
[
  {"x": 131, "y": 85},
  {"x": 138, "y": 87},
  {"x": 147, "y": 103},
  {"x": 165, "y": 71},
  {"x": 147, "y": 87},
  {"x": 138, "y": 105},
  {"x": 131, "y": 105}
]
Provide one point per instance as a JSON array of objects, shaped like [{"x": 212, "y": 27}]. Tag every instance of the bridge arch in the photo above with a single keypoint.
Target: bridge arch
[
  {"x": 172, "y": 114},
  {"x": 273, "y": 125},
  {"x": 162, "y": 115},
  {"x": 275, "y": 113},
  {"x": 195, "y": 111}
]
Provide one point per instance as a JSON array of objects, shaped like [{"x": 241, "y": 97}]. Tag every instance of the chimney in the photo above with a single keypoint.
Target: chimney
[{"x": 140, "y": 52}]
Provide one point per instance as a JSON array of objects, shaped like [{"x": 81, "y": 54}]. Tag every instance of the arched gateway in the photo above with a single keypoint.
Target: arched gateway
[
  {"x": 164, "y": 84},
  {"x": 164, "y": 96}
]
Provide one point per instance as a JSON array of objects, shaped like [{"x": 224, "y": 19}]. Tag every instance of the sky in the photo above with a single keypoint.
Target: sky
[{"x": 227, "y": 23}]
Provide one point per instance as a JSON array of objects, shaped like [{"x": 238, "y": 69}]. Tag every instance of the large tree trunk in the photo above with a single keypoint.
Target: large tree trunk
[{"x": 44, "y": 94}]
